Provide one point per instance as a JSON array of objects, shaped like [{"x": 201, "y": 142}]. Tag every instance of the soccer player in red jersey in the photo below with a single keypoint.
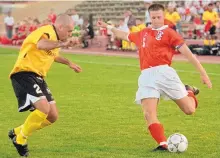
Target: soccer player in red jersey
[{"x": 157, "y": 79}]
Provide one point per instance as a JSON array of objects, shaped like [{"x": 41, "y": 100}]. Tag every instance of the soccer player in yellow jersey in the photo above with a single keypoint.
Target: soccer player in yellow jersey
[
  {"x": 212, "y": 16},
  {"x": 38, "y": 51},
  {"x": 140, "y": 24}
]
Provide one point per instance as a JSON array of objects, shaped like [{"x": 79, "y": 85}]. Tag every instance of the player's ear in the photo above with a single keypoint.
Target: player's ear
[{"x": 60, "y": 28}]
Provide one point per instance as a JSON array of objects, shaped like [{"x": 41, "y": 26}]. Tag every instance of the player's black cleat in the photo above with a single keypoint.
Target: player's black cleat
[
  {"x": 193, "y": 89},
  {"x": 21, "y": 149},
  {"x": 160, "y": 148},
  {"x": 11, "y": 134}
]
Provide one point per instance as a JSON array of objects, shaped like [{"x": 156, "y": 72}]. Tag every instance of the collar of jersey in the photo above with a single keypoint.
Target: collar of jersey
[
  {"x": 161, "y": 28},
  {"x": 56, "y": 32}
]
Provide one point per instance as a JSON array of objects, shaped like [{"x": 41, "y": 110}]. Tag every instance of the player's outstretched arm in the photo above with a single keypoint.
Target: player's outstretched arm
[
  {"x": 118, "y": 33},
  {"x": 62, "y": 60},
  {"x": 46, "y": 44},
  {"x": 192, "y": 59}
]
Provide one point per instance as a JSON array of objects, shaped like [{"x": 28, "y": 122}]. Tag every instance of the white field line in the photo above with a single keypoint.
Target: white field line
[{"x": 131, "y": 65}]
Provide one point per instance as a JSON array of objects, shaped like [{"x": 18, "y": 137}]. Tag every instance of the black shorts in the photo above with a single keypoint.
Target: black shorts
[
  {"x": 212, "y": 30},
  {"x": 29, "y": 88}
]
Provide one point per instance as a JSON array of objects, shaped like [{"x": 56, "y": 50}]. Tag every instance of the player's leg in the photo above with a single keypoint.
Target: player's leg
[
  {"x": 34, "y": 120},
  {"x": 156, "y": 129},
  {"x": 189, "y": 103},
  {"x": 28, "y": 93},
  {"x": 171, "y": 85},
  {"x": 31, "y": 124},
  {"x": 148, "y": 97},
  {"x": 52, "y": 116},
  {"x": 53, "y": 113}
]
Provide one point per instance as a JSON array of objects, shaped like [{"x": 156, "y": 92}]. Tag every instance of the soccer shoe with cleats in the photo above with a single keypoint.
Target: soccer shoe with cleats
[
  {"x": 11, "y": 134},
  {"x": 160, "y": 148},
  {"x": 21, "y": 149},
  {"x": 193, "y": 89}
]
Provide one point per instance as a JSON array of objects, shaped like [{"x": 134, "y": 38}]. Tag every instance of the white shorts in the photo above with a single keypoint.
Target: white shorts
[{"x": 160, "y": 81}]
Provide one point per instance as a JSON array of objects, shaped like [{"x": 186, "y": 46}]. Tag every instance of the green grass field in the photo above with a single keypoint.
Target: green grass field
[{"x": 98, "y": 117}]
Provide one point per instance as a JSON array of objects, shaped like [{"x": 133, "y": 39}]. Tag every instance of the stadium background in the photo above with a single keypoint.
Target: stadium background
[{"x": 98, "y": 118}]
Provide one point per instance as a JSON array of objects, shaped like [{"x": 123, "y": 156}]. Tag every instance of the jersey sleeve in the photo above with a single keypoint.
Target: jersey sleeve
[
  {"x": 175, "y": 40},
  {"x": 135, "y": 38},
  {"x": 36, "y": 35}
]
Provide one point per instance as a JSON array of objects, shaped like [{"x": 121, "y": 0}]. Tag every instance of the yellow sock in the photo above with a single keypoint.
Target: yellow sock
[
  {"x": 32, "y": 123},
  {"x": 17, "y": 130},
  {"x": 20, "y": 139},
  {"x": 45, "y": 123}
]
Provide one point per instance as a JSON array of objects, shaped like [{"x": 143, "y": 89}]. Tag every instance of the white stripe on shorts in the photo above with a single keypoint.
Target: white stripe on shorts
[{"x": 30, "y": 99}]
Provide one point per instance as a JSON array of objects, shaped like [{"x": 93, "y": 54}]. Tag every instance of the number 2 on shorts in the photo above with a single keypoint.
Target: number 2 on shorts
[{"x": 38, "y": 90}]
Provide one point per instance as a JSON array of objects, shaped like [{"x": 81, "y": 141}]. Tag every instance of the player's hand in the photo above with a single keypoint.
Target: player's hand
[
  {"x": 75, "y": 67},
  {"x": 71, "y": 42},
  {"x": 101, "y": 24},
  {"x": 205, "y": 79}
]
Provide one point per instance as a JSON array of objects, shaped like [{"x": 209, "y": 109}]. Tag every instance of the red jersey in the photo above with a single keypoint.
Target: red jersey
[
  {"x": 32, "y": 28},
  {"x": 21, "y": 28},
  {"x": 52, "y": 17},
  {"x": 156, "y": 46}
]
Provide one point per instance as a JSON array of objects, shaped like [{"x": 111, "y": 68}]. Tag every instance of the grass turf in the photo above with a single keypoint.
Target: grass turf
[{"x": 98, "y": 117}]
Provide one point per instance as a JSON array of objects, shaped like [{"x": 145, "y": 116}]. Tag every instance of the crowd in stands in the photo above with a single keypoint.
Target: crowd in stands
[
  {"x": 192, "y": 19},
  {"x": 17, "y": 32},
  {"x": 201, "y": 20}
]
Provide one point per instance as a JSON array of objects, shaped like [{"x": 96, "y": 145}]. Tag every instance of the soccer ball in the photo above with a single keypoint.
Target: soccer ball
[{"x": 177, "y": 143}]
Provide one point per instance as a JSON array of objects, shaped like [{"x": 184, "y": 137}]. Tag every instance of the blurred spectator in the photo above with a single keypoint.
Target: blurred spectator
[
  {"x": 16, "y": 27},
  {"x": 46, "y": 22},
  {"x": 210, "y": 19},
  {"x": 208, "y": 41},
  {"x": 131, "y": 19},
  {"x": 181, "y": 10},
  {"x": 76, "y": 31},
  {"x": 9, "y": 23},
  {"x": 102, "y": 31},
  {"x": 80, "y": 21},
  {"x": 87, "y": 33},
  {"x": 140, "y": 24},
  {"x": 126, "y": 18},
  {"x": 124, "y": 27},
  {"x": 52, "y": 16},
  {"x": 198, "y": 26},
  {"x": 217, "y": 7},
  {"x": 133, "y": 28},
  {"x": 36, "y": 22},
  {"x": 74, "y": 16},
  {"x": 147, "y": 3},
  {"x": 111, "y": 38},
  {"x": 174, "y": 17},
  {"x": 131, "y": 23},
  {"x": 172, "y": 4}
]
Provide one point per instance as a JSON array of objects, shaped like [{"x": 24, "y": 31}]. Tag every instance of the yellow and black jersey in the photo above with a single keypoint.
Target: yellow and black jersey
[{"x": 31, "y": 59}]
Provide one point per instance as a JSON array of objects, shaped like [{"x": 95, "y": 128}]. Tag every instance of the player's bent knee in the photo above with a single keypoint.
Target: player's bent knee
[
  {"x": 53, "y": 114},
  {"x": 52, "y": 117},
  {"x": 189, "y": 111}
]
